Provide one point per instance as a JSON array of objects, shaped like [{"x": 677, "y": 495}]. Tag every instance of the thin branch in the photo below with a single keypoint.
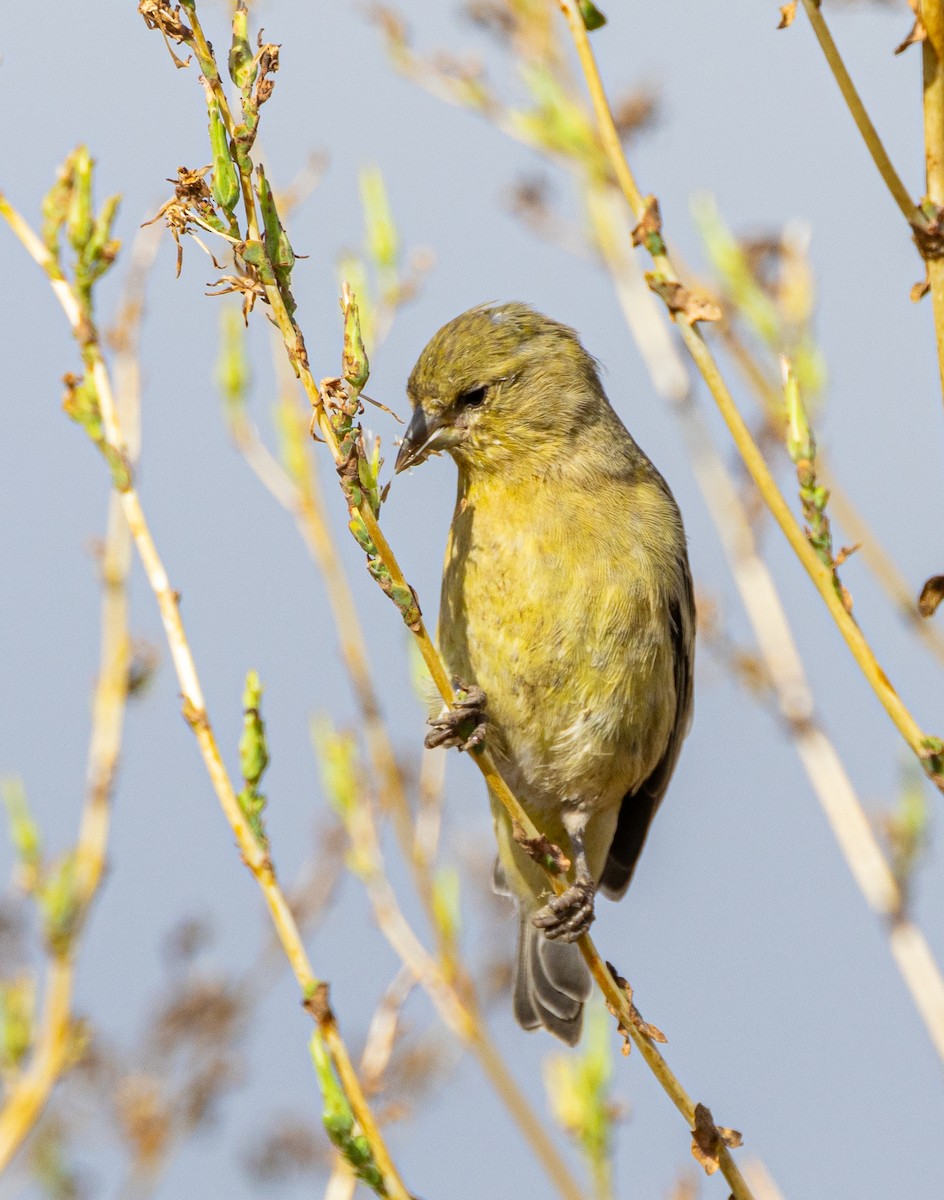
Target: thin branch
[
  {"x": 30, "y": 1092},
  {"x": 885, "y": 571},
  {"x": 821, "y": 761},
  {"x": 459, "y": 1014},
  {"x": 873, "y": 142},
  {"x": 824, "y": 767},
  {"x": 818, "y": 572},
  {"x": 253, "y": 853},
  {"x": 445, "y": 983},
  {"x": 395, "y": 583},
  {"x": 932, "y": 60}
]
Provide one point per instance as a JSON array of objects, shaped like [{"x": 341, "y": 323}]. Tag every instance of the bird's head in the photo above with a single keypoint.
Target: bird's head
[{"x": 500, "y": 384}]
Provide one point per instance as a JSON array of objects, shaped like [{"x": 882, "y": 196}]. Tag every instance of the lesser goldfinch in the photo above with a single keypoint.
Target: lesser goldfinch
[{"x": 567, "y": 601}]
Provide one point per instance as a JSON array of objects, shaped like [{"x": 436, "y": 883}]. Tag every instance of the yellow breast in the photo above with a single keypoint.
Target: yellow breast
[{"x": 562, "y": 619}]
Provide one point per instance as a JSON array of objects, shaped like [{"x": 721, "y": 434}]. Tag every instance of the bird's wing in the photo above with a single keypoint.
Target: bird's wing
[{"x": 639, "y": 806}]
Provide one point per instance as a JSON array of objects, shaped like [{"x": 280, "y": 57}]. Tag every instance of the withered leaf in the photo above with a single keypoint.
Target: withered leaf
[
  {"x": 931, "y": 596},
  {"x": 542, "y": 850},
  {"x": 845, "y": 553},
  {"x": 788, "y": 13},
  {"x": 692, "y": 304},
  {"x": 649, "y": 223},
  {"x": 708, "y": 1139},
  {"x": 649, "y": 1031},
  {"x": 918, "y": 34},
  {"x": 920, "y": 290}
]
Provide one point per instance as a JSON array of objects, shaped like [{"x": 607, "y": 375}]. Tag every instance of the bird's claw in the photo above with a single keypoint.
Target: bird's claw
[
  {"x": 463, "y": 726},
  {"x": 568, "y": 916}
]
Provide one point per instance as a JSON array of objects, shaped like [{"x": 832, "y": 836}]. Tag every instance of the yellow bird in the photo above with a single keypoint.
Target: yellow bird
[{"x": 566, "y": 608}]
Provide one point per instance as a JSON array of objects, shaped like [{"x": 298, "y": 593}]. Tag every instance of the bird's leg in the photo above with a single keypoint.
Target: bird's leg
[
  {"x": 569, "y": 915},
  {"x": 463, "y": 726}
]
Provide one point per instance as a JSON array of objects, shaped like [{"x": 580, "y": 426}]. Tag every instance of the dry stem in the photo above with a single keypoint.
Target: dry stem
[
  {"x": 932, "y": 59},
  {"x": 886, "y": 572},
  {"x": 883, "y": 163},
  {"x": 30, "y": 1092},
  {"x": 461, "y": 1014},
  {"x": 819, "y": 573},
  {"x": 254, "y": 856},
  {"x": 824, "y": 768}
]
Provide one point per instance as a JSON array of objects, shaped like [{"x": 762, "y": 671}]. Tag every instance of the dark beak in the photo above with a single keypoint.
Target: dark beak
[{"x": 425, "y": 436}]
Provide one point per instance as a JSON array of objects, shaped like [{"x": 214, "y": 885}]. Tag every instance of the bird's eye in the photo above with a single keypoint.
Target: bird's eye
[{"x": 471, "y": 399}]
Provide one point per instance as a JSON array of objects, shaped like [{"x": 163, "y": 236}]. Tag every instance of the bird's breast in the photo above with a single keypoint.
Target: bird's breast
[{"x": 567, "y": 632}]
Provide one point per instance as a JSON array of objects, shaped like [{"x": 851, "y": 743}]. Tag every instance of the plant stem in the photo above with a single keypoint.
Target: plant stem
[
  {"x": 886, "y": 572},
  {"x": 932, "y": 61},
  {"x": 27, "y": 1097},
  {"x": 460, "y": 1013},
  {"x": 883, "y": 163},
  {"x": 253, "y": 854},
  {"x": 747, "y": 447}
]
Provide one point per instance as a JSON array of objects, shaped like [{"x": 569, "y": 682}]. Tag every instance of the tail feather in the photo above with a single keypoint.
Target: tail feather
[{"x": 551, "y": 984}]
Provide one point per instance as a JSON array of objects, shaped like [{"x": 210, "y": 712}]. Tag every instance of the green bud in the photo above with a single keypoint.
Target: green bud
[
  {"x": 277, "y": 245},
  {"x": 253, "y": 758},
  {"x": 101, "y": 249},
  {"x": 592, "y": 17},
  {"x": 578, "y": 1090},
  {"x": 55, "y": 207},
  {"x": 355, "y": 367},
  {"x": 338, "y": 1120},
  {"x": 59, "y": 905},
  {"x": 80, "y": 404},
  {"x": 225, "y": 181},
  {"x": 557, "y": 121},
  {"x": 383, "y": 243},
  {"x": 79, "y": 219},
  {"x": 17, "y": 1018},
  {"x": 118, "y": 466},
  {"x": 801, "y": 445},
  {"x": 253, "y": 752},
  {"x": 337, "y": 759},
  {"x": 352, "y": 273},
  {"x": 359, "y": 530},
  {"x": 293, "y": 440},
  {"x": 367, "y": 474},
  {"x": 24, "y": 832},
  {"x": 242, "y": 70},
  {"x": 254, "y": 254}
]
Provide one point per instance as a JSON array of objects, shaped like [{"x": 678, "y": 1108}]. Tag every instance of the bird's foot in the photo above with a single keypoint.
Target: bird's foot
[
  {"x": 568, "y": 916},
  {"x": 464, "y": 725}
]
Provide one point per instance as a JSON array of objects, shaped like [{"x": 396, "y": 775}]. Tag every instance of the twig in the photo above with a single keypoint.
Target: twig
[
  {"x": 932, "y": 60},
  {"x": 30, "y": 1092},
  {"x": 460, "y": 1014},
  {"x": 390, "y": 574},
  {"x": 873, "y": 142},
  {"x": 886, "y": 572},
  {"x": 303, "y": 498},
  {"x": 253, "y": 853},
  {"x": 753, "y": 459},
  {"x": 824, "y": 768}
]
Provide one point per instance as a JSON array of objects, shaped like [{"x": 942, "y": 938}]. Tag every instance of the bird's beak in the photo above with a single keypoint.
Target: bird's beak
[{"x": 425, "y": 436}]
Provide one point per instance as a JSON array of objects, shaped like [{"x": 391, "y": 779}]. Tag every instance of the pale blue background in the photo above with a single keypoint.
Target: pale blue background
[{"x": 744, "y": 936}]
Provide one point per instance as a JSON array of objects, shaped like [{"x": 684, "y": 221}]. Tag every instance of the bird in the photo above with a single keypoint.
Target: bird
[{"x": 567, "y": 618}]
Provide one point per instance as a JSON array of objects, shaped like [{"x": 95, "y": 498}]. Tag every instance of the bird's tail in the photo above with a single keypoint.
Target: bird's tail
[{"x": 551, "y": 984}]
